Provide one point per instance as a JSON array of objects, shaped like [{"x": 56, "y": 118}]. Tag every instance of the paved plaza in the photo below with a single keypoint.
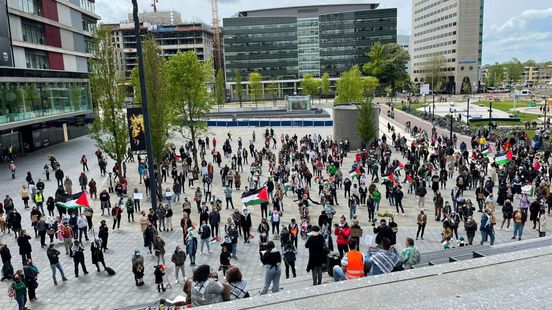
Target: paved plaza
[{"x": 100, "y": 291}]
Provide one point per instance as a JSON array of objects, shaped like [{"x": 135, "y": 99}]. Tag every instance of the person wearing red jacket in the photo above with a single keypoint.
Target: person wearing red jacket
[{"x": 343, "y": 232}]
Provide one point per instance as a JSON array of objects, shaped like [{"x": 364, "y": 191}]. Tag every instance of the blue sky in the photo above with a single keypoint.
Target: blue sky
[{"x": 512, "y": 28}]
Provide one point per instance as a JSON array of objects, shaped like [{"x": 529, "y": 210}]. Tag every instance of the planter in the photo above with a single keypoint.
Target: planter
[{"x": 345, "y": 120}]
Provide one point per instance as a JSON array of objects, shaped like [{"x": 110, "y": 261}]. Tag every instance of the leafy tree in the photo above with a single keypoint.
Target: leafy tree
[
  {"x": 350, "y": 87},
  {"x": 255, "y": 86},
  {"x": 388, "y": 64},
  {"x": 162, "y": 114},
  {"x": 272, "y": 88},
  {"x": 219, "y": 88},
  {"x": 310, "y": 85},
  {"x": 325, "y": 85},
  {"x": 514, "y": 69},
  {"x": 434, "y": 69},
  {"x": 109, "y": 129},
  {"x": 239, "y": 85},
  {"x": 367, "y": 130},
  {"x": 494, "y": 76},
  {"x": 187, "y": 83}
]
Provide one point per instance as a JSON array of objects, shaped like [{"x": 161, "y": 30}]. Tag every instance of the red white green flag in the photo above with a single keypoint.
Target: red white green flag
[
  {"x": 355, "y": 174},
  {"x": 78, "y": 200},
  {"x": 399, "y": 168},
  {"x": 503, "y": 158},
  {"x": 255, "y": 197}
]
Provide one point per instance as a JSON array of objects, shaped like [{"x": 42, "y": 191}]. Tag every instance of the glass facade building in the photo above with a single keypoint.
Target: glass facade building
[{"x": 284, "y": 44}]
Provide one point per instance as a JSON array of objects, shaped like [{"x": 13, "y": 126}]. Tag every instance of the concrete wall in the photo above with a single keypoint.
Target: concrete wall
[{"x": 345, "y": 120}]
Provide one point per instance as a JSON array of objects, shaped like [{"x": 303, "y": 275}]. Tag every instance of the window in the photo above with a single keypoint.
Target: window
[
  {"x": 33, "y": 32},
  {"x": 88, "y": 25},
  {"x": 32, "y": 7},
  {"x": 36, "y": 59},
  {"x": 88, "y": 5},
  {"x": 89, "y": 45}
]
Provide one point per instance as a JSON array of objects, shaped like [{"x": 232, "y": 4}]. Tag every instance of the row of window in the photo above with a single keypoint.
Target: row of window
[
  {"x": 36, "y": 59},
  {"x": 436, "y": 45},
  {"x": 33, "y": 32},
  {"x": 88, "y": 25},
  {"x": 452, "y": 51},
  {"x": 32, "y": 7},
  {"x": 437, "y": 20},
  {"x": 438, "y": 11},
  {"x": 427, "y": 7},
  {"x": 434, "y": 29},
  {"x": 436, "y": 37},
  {"x": 261, "y": 35},
  {"x": 263, "y": 26},
  {"x": 423, "y": 63},
  {"x": 421, "y": 2},
  {"x": 88, "y": 5},
  {"x": 448, "y": 69}
]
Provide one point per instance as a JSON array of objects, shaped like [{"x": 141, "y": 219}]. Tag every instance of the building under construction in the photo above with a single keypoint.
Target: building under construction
[{"x": 172, "y": 36}]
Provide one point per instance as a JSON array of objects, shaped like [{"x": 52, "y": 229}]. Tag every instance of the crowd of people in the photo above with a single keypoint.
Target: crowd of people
[{"x": 307, "y": 177}]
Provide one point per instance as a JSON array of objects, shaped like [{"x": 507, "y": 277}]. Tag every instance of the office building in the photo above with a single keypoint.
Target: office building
[
  {"x": 452, "y": 29},
  {"x": 537, "y": 75},
  {"x": 284, "y": 44},
  {"x": 171, "y": 38},
  {"x": 404, "y": 42},
  {"x": 44, "y": 87}
]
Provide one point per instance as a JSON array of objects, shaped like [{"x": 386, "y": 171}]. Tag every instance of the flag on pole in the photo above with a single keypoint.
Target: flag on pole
[
  {"x": 399, "y": 168},
  {"x": 215, "y": 240},
  {"x": 355, "y": 174},
  {"x": 409, "y": 179},
  {"x": 390, "y": 178},
  {"x": 77, "y": 200},
  {"x": 255, "y": 197},
  {"x": 503, "y": 158},
  {"x": 488, "y": 151},
  {"x": 327, "y": 182}
]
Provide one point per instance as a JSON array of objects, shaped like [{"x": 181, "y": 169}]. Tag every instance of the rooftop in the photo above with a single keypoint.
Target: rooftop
[{"x": 310, "y": 9}]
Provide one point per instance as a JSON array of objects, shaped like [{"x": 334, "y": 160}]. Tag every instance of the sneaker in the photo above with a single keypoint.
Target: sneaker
[
  {"x": 64, "y": 279},
  {"x": 176, "y": 282},
  {"x": 514, "y": 237},
  {"x": 403, "y": 214},
  {"x": 55, "y": 282}
]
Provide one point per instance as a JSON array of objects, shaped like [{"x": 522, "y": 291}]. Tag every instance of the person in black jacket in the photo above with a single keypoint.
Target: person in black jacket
[
  {"x": 272, "y": 259},
  {"x": 317, "y": 254},
  {"x": 25, "y": 248},
  {"x": 78, "y": 257},
  {"x": 245, "y": 222},
  {"x": 53, "y": 257},
  {"x": 383, "y": 231},
  {"x": 7, "y": 268},
  {"x": 97, "y": 254}
]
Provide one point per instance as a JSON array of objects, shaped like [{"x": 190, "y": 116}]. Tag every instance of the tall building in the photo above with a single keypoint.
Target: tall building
[
  {"x": 404, "y": 42},
  {"x": 171, "y": 38},
  {"x": 284, "y": 44},
  {"x": 44, "y": 87},
  {"x": 453, "y": 29}
]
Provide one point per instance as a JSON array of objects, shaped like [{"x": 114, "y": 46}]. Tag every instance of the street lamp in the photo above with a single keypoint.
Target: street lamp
[
  {"x": 149, "y": 149},
  {"x": 545, "y": 108},
  {"x": 468, "y": 112},
  {"x": 490, "y": 113},
  {"x": 433, "y": 115},
  {"x": 451, "y": 110}
]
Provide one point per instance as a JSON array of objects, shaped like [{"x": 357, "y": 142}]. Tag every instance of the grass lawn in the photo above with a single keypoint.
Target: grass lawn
[{"x": 505, "y": 106}]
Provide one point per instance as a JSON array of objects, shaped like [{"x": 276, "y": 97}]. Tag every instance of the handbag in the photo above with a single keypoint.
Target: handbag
[{"x": 11, "y": 291}]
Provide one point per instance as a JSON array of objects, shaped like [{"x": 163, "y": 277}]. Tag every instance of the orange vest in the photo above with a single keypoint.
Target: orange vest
[{"x": 355, "y": 265}]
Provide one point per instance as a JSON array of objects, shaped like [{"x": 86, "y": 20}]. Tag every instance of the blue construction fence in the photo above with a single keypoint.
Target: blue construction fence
[{"x": 270, "y": 123}]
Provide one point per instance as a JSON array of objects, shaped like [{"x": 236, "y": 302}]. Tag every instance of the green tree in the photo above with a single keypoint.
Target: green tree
[
  {"x": 434, "y": 69},
  {"x": 350, "y": 87},
  {"x": 514, "y": 69},
  {"x": 325, "y": 85},
  {"x": 272, "y": 89},
  {"x": 367, "y": 130},
  {"x": 388, "y": 64},
  {"x": 239, "y": 85},
  {"x": 109, "y": 129},
  {"x": 220, "y": 88},
  {"x": 310, "y": 85},
  {"x": 187, "y": 82},
  {"x": 255, "y": 86},
  {"x": 494, "y": 75},
  {"x": 162, "y": 115}
]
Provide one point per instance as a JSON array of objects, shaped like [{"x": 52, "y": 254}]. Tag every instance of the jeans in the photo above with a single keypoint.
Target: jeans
[
  {"x": 316, "y": 275},
  {"x": 205, "y": 241},
  {"x": 21, "y": 299},
  {"x": 288, "y": 265},
  {"x": 518, "y": 230},
  {"x": 485, "y": 234},
  {"x": 420, "y": 228},
  {"x": 338, "y": 274},
  {"x": 58, "y": 267},
  {"x": 371, "y": 214},
  {"x": 25, "y": 257},
  {"x": 272, "y": 274},
  {"x": 352, "y": 211},
  {"x": 181, "y": 269},
  {"x": 234, "y": 249},
  {"x": 376, "y": 205},
  {"x": 82, "y": 231}
]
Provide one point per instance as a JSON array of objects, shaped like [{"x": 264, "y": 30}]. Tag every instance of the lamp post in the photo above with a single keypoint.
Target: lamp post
[
  {"x": 451, "y": 110},
  {"x": 545, "y": 108},
  {"x": 490, "y": 113},
  {"x": 433, "y": 110},
  {"x": 149, "y": 149},
  {"x": 468, "y": 112}
]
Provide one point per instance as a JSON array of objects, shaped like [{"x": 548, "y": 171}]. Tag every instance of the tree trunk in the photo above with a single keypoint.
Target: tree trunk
[
  {"x": 159, "y": 185},
  {"x": 194, "y": 142}
]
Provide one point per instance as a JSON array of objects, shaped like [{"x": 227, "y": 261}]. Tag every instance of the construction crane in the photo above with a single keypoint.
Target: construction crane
[{"x": 217, "y": 35}]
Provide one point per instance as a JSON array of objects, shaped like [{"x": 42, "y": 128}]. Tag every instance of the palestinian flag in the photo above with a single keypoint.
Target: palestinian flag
[
  {"x": 355, "y": 174},
  {"x": 503, "y": 158},
  {"x": 419, "y": 135},
  {"x": 409, "y": 179},
  {"x": 488, "y": 151},
  {"x": 255, "y": 197},
  {"x": 77, "y": 200},
  {"x": 390, "y": 178},
  {"x": 327, "y": 182},
  {"x": 399, "y": 168},
  {"x": 177, "y": 158},
  {"x": 215, "y": 240}
]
